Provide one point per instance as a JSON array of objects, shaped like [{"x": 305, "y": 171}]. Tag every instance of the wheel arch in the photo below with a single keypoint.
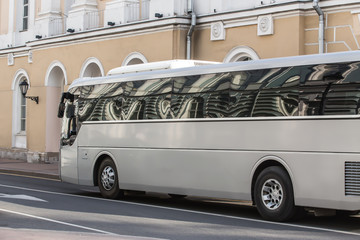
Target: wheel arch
[
  {"x": 99, "y": 159},
  {"x": 264, "y": 163}
]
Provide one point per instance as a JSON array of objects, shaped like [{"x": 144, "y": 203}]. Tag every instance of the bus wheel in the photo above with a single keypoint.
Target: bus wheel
[
  {"x": 273, "y": 195},
  {"x": 108, "y": 180}
]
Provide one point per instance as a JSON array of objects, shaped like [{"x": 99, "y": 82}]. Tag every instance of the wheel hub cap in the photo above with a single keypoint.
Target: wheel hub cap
[
  {"x": 108, "y": 178},
  {"x": 272, "y": 194}
]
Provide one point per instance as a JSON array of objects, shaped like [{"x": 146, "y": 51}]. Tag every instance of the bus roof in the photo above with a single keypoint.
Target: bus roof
[
  {"x": 181, "y": 68},
  {"x": 155, "y": 66}
]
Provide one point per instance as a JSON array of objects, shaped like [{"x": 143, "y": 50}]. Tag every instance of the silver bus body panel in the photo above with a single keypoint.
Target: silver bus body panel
[
  {"x": 216, "y": 158},
  {"x": 69, "y": 164}
]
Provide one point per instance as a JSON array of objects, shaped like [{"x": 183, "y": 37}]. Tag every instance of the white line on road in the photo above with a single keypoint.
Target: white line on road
[
  {"x": 191, "y": 211},
  {"x": 79, "y": 226},
  {"x": 21, "y": 196},
  {"x": 59, "y": 222}
]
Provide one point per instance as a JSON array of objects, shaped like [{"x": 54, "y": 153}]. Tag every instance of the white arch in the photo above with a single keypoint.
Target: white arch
[
  {"x": 54, "y": 64},
  {"x": 134, "y": 56},
  {"x": 91, "y": 60},
  {"x": 239, "y": 53},
  {"x": 55, "y": 80},
  {"x": 18, "y": 75}
]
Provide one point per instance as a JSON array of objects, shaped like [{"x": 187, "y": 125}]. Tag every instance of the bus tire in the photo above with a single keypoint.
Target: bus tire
[
  {"x": 274, "y": 196},
  {"x": 108, "y": 180}
]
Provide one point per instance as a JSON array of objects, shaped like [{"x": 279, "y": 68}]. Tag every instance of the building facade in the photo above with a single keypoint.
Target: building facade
[{"x": 49, "y": 43}]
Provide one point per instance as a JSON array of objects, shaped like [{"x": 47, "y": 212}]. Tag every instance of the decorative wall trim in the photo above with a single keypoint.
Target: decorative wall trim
[
  {"x": 55, "y": 63},
  {"x": 217, "y": 31},
  {"x": 132, "y": 56},
  {"x": 239, "y": 53},
  {"x": 265, "y": 25},
  {"x": 89, "y": 61}
]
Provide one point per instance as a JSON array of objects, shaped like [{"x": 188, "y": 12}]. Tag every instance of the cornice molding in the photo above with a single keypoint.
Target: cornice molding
[
  {"x": 125, "y": 30},
  {"x": 230, "y": 19}
]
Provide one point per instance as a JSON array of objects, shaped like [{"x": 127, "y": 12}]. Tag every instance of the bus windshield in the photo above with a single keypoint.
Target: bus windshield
[{"x": 67, "y": 111}]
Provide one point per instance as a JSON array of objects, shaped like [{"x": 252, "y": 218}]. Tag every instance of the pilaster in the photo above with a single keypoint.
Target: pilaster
[
  {"x": 125, "y": 11},
  {"x": 83, "y": 15},
  {"x": 50, "y": 21}
]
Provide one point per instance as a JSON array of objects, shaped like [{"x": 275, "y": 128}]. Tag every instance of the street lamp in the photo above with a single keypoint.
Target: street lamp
[{"x": 24, "y": 86}]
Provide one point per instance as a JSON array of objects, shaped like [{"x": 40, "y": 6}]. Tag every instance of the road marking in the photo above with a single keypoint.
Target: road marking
[
  {"x": 192, "y": 211},
  {"x": 59, "y": 222},
  {"x": 79, "y": 226},
  {"x": 22, "y": 197}
]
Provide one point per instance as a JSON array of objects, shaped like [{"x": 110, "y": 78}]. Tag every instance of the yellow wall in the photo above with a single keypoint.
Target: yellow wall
[
  {"x": 287, "y": 40},
  {"x": 342, "y": 32}
]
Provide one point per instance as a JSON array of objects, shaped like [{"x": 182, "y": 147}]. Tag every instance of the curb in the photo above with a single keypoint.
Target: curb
[{"x": 31, "y": 174}]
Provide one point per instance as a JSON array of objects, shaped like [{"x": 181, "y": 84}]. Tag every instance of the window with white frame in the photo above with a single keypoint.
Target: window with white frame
[
  {"x": 19, "y": 138},
  {"x": 22, "y": 108},
  {"x": 25, "y": 15}
]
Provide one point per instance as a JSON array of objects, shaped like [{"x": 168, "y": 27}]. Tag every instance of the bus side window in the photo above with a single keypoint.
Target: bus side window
[
  {"x": 342, "y": 99},
  {"x": 317, "y": 85},
  {"x": 311, "y": 99},
  {"x": 137, "y": 112},
  {"x": 201, "y": 96},
  {"x": 279, "y": 93}
]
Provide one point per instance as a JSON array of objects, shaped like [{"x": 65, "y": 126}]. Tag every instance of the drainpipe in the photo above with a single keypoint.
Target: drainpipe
[
  {"x": 191, "y": 30},
  {"x": 321, "y": 25}
]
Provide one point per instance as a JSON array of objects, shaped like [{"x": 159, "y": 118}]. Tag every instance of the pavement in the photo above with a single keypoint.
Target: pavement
[
  {"x": 45, "y": 170},
  {"x": 30, "y": 234}
]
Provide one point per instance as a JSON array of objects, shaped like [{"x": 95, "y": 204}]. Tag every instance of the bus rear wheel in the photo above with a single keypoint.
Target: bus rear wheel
[
  {"x": 274, "y": 196},
  {"x": 108, "y": 180}
]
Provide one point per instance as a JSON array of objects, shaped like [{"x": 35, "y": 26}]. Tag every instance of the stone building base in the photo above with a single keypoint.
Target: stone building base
[{"x": 28, "y": 156}]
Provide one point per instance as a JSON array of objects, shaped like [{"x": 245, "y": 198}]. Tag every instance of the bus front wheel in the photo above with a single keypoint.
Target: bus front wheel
[
  {"x": 273, "y": 195},
  {"x": 108, "y": 180}
]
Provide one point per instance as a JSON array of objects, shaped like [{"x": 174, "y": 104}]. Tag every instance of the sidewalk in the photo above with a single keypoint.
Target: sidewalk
[{"x": 46, "y": 170}]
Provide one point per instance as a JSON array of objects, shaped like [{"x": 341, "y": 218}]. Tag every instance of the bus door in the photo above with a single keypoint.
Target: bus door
[{"x": 68, "y": 143}]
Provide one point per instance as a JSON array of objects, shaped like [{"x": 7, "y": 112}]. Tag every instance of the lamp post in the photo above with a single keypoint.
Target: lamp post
[{"x": 24, "y": 86}]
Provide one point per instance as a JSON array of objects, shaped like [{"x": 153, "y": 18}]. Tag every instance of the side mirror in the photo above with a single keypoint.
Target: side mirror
[
  {"x": 70, "y": 111},
  {"x": 61, "y": 110}
]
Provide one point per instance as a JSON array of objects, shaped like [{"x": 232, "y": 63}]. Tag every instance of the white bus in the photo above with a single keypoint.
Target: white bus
[{"x": 283, "y": 133}]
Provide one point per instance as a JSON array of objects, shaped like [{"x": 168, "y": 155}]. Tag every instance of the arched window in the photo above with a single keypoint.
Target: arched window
[
  {"x": 92, "y": 67},
  {"x": 241, "y": 53},
  {"x": 19, "y": 110},
  {"x": 134, "y": 58},
  {"x": 22, "y": 117}
]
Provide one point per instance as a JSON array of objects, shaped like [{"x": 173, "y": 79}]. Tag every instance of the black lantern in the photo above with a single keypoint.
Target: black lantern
[{"x": 24, "y": 86}]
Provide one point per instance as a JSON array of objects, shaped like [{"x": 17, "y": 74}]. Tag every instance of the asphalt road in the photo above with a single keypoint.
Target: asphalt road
[{"x": 33, "y": 208}]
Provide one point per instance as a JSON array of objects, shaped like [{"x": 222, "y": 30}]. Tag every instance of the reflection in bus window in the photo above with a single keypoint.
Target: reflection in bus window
[{"x": 324, "y": 89}]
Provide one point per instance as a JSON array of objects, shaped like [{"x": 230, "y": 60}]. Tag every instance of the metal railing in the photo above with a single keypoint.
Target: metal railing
[
  {"x": 57, "y": 26},
  {"x": 134, "y": 10},
  {"x": 94, "y": 19},
  {"x": 137, "y": 10}
]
